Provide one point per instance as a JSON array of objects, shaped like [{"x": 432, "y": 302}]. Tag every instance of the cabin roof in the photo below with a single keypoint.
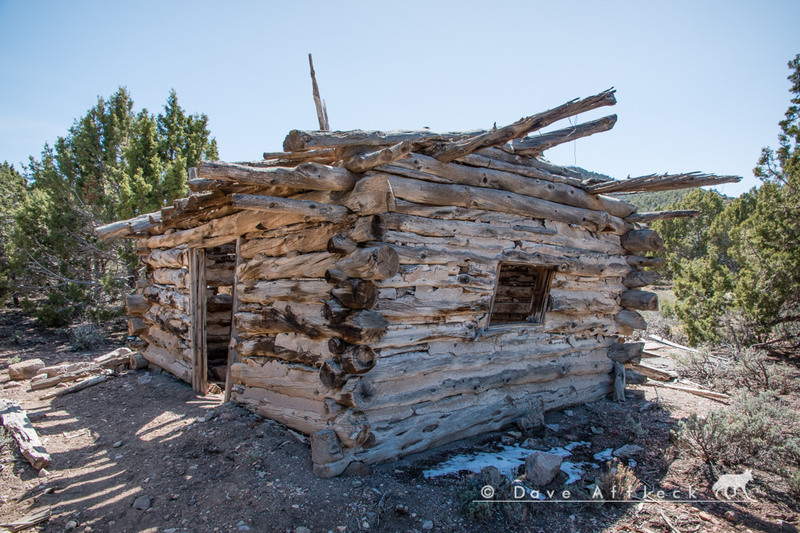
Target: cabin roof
[{"x": 330, "y": 175}]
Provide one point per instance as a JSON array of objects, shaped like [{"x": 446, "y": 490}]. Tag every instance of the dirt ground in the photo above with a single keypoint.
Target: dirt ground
[{"x": 142, "y": 452}]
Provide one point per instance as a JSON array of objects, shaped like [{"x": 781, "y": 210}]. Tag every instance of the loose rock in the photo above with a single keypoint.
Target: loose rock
[
  {"x": 143, "y": 502},
  {"x": 24, "y": 369},
  {"x": 627, "y": 451},
  {"x": 428, "y": 525},
  {"x": 541, "y": 468}
]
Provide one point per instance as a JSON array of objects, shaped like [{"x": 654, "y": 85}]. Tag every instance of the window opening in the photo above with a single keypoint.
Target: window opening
[{"x": 521, "y": 293}]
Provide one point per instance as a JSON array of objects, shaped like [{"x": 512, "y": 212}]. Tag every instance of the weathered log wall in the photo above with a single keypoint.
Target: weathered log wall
[
  {"x": 163, "y": 306},
  {"x": 366, "y": 270}
]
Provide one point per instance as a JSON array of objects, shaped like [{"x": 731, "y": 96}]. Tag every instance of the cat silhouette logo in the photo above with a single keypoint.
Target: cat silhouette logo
[{"x": 735, "y": 482}]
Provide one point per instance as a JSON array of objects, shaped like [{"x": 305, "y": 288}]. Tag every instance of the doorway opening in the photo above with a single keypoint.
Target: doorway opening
[{"x": 213, "y": 278}]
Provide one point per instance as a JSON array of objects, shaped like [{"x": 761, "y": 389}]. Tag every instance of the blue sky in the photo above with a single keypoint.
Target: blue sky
[{"x": 701, "y": 85}]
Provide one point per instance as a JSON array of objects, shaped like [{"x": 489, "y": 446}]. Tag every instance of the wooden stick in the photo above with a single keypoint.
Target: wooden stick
[
  {"x": 29, "y": 520},
  {"x": 322, "y": 113},
  {"x": 653, "y": 372},
  {"x": 662, "y": 182},
  {"x": 697, "y": 392},
  {"x": 662, "y": 340},
  {"x": 662, "y": 215},
  {"x": 140, "y": 226},
  {"x": 85, "y": 384},
  {"x": 16, "y": 421},
  {"x": 535, "y": 146},
  {"x": 457, "y": 149}
]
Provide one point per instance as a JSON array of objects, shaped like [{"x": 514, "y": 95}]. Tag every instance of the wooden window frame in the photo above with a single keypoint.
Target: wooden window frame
[{"x": 539, "y": 296}]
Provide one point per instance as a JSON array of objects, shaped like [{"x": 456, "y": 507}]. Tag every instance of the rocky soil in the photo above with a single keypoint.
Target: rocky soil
[{"x": 142, "y": 452}]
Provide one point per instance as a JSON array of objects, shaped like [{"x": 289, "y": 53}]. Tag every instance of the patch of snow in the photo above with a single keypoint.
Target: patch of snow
[
  {"x": 605, "y": 455},
  {"x": 507, "y": 461},
  {"x": 574, "y": 471}
]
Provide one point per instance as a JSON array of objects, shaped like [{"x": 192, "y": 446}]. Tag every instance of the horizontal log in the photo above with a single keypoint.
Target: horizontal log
[
  {"x": 524, "y": 166},
  {"x": 508, "y": 202},
  {"x": 168, "y": 362},
  {"x": 642, "y": 300},
  {"x": 290, "y": 379},
  {"x": 299, "y": 140},
  {"x": 326, "y": 156},
  {"x": 434, "y": 386},
  {"x": 139, "y": 226},
  {"x": 266, "y": 292},
  {"x": 662, "y": 182},
  {"x": 643, "y": 240},
  {"x": 263, "y": 346},
  {"x": 177, "y": 277},
  {"x": 310, "y": 211},
  {"x": 300, "y": 414},
  {"x": 662, "y": 215},
  {"x": 582, "y": 301},
  {"x": 470, "y": 415},
  {"x": 298, "y": 238},
  {"x": 522, "y": 127},
  {"x": 172, "y": 258},
  {"x": 312, "y": 265},
  {"x": 363, "y": 162},
  {"x": 307, "y": 175},
  {"x": 500, "y": 231},
  {"x": 272, "y": 320},
  {"x": 174, "y": 344},
  {"x": 429, "y": 169},
  {"x": 641, "y": 278},
  {"x": 630, "y": 319},
  {"x": 585, "y": 265},
  {"x": 534, "y": 146}
]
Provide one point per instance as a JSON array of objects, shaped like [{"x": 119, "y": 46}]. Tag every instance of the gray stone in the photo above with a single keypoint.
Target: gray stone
[
  {"x": 541, "y": 468},
  {"x": 143, "y": 502},
  {"x": 428, "y": 525},
  {"x": 627, "y": 451},
  {"x": 302, "y": 529}
]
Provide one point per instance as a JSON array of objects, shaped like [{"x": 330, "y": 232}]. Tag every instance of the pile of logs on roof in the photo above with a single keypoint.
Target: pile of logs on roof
[{"x": 366, "y": 270}]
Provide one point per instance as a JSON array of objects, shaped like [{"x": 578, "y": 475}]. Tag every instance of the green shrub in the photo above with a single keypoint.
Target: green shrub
[
  {"x": 761, "y": 431},
  {"x": 86, "y": 337}
]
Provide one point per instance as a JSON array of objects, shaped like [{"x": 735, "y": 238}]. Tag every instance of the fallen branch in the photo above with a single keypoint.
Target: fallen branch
[
  {"x": 77, "y": 387},
  {"x": 662, "y": 340},
  {"x": 718, "y": 396},
  {"x": 16, "y": 421},
  {"x": 29, "y": 520},
  {"x": 653, "y": 372},
  {"x": 63, "y": 378}
]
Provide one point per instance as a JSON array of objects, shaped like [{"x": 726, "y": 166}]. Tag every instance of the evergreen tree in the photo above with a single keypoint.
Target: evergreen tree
[
  {"x": 112, "y": 164},
  {"x": 12, "y": 193}
]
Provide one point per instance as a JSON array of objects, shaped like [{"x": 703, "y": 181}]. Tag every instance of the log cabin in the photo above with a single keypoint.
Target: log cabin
[{"x": 388, "y": 292}]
